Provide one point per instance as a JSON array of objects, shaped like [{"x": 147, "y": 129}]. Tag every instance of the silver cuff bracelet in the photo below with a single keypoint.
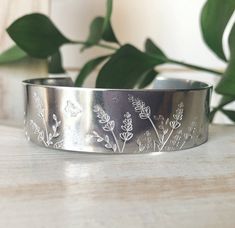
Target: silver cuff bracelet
[{"x": 172, "y": 116}]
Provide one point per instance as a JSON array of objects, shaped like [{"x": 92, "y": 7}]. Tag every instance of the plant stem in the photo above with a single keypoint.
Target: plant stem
[
  {"x": 106, "y": 46},
  {"x": 123, "y": 147},
  {"x": 195, "y": 67},
  {"x": 162, "y": 147},
  {"x": 46, "y": 131},
  {"x": 155, "y": 129},
  {"x": 98, "y": 44},
  {"x": 188, "y": 65}
]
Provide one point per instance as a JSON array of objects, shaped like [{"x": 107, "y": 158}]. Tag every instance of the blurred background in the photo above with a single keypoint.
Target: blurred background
[{"x": 173, "y": 25}]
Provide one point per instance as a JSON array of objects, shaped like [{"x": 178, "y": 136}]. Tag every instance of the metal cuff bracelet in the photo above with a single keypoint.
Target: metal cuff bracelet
[{"x": 173, "y": 116}]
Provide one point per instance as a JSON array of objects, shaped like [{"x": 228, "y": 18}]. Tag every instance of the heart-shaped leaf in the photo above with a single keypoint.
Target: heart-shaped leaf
[
  {"x": 55, "y": 64},
  {"x": 88, "y": 68},
  {"x": 125, "y": 68},
  {"x": 214, "y": 18},
  {"x": 36, "y": 35},
  {"x": 226, "y": 85},
  {"x": 12, "y": 54}
]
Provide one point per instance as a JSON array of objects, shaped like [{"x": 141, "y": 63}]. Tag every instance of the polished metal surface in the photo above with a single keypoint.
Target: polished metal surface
[{"x": 172, "y": 116}]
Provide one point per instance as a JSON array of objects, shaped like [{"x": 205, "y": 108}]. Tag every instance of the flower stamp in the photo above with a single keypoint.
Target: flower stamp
[{"x": 46, "y": 134}]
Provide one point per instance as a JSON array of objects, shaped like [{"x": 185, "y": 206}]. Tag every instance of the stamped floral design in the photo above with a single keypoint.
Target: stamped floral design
[
  {"x": 193, "y": 135},
  {"x": 164, "y": 127},
  {"x": 105, "y": 140},
  {"x": 127, "y": 128},
  {"x": 46, "y": 135},
  {"x": 160, "y": 133},
  {"x": 146, "y": 143},
  {"x": 108, "y": 125}
]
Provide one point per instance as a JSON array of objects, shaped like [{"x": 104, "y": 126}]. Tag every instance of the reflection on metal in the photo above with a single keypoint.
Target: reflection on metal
[{"x": 174, "y": 116}]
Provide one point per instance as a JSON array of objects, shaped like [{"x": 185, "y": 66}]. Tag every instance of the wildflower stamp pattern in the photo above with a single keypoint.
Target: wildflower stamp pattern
[
  {"x": 47, "y": 135},
  {"x": 108, "y": 125},
  {"x": 163, "y": 130},
  {"x": 136, "y": 129},
  {"x": 166, "y": 133}
]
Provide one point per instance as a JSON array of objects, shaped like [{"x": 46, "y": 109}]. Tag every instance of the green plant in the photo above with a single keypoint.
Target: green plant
[{"x": 126, "y": 66}]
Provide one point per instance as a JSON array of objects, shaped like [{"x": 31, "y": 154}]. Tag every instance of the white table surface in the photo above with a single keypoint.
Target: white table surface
[{"x": 48, "y": 188}]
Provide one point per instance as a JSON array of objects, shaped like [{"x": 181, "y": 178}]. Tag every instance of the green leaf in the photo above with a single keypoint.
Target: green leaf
[
  {"x": 101, "y": 28},
  {"x": 96, "y": 32},
  {"x": 12, "y": 54},
  {"x": 147, "y": 78},
  {"x": 108, "y": 33},
  {"x": 230, "y": 114},
  {"x": 226, "y": 85},
  {"x": 55, "y": 64},
  {"x": 88, "y": 68},
  {"x": 109, "y": 9},
  {"x": 36, "y": 35},
  {"x": 125, "y": 68},
  {"x": 154, "y": 50},
  {"x": 223, "y": 101},
  {"x": 214, "y": 18}
]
